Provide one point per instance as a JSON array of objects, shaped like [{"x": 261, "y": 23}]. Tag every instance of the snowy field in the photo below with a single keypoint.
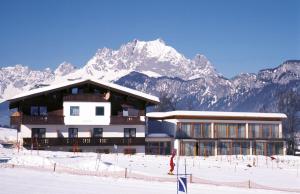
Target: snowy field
[
  {"x": 8, "y": 135},
  {"x": 145, "y": 172},
  {"x": 20, "y": 181}
]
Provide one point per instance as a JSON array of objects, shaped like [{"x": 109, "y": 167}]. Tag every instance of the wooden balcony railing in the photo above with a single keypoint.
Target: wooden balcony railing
[
  {"x": 126, "y": 120},
  {"x": 82, "y": 141},
  {"x": 26, "y": 119},
  {"x": 85, "y": 97}
]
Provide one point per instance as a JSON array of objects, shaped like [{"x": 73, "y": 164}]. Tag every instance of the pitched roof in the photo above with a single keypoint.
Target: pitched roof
[
  {"x": 216, "y": 114},
  {"x": 107, "y": 85}
]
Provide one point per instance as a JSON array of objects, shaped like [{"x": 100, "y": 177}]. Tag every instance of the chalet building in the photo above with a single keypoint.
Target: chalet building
[
  {"x": 82, "y": 115},
  {"x": 91, "y": 115},
  {"x": 204, "y": 133}
]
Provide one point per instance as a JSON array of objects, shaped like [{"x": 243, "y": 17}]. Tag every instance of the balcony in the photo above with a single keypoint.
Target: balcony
[
  {"x": 36, "y": 120},
  {"x": 82, "y": 141},
  {"x": 85, "y": 97},
  {"x": 130, "y": 120}
]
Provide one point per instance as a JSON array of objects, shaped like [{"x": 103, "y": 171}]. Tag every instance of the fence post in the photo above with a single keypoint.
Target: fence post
[
  {"x": 125, "y": 172},
  {"x": 54, "y": 167},
  {"x": 249, "y": 184},
  {"x": 191, "y": 178}
]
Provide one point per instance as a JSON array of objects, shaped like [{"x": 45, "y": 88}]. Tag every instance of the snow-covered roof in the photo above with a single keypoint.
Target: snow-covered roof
[
  {"x": 110, "y": 86},
  {"x": 214, "y": 114}
]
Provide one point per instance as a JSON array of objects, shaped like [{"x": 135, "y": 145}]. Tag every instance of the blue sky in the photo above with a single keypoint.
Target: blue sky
[{"x": 236, "y": 35}]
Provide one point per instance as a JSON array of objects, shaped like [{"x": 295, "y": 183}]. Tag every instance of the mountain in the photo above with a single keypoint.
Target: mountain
[
  {"x": 153, "y": 58},
  {"x": 157, "y": 68},
  {"x": 19, "y": 78},
  {"x": 245, "y": 92}
]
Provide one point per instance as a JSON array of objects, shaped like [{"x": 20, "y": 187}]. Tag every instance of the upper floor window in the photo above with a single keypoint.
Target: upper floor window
[
  {"x": 99, "y": 111},
  {"x": 230, "y": 130},
  {"x": 194, "y": 130},
  {"x": 129, "y": 132},
  {"x": 38, "y": 110},
  {"x": 98, "y": 132},
  {"x": 73, "y": 132},
  {"x": 202, "y": 130},
  {"x": 264, "y": 130},
  {"x": 34, "y": 110},
  {"x": 74, "y": 110},
  {"x": 43, "y": 110},
  {"x": 74, "y": 90},
  {"x": 125, "y": 112},
  {"x": 38, "y": 132}
]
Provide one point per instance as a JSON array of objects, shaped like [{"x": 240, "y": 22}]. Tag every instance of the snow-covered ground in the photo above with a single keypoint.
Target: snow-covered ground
[
  {"x": 281, "y": 173},
  {"x": 23, "y": 181},
  {"x": 8, "y": 135}
]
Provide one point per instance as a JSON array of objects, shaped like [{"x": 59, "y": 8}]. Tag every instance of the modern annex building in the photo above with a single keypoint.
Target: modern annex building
[
  {"x": 215, "y": 133},
  {"x": 91, "y": 115},
  {"x": 82, "y": 115}
]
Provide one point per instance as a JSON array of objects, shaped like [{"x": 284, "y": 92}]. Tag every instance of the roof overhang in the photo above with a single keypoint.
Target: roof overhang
[
  {"x": 215, "y": 115},
  {"x": 67, "y": 84}
]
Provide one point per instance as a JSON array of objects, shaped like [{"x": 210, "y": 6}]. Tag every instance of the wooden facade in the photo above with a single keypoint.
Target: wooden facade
[
  {"x": 41, "y": 143},
  {"x": 53, "y": 101}
]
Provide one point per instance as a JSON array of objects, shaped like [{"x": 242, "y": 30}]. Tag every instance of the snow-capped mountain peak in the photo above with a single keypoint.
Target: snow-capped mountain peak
[
  {"x": 64, "y": 69},
  {"x": 153, "y": 56}
]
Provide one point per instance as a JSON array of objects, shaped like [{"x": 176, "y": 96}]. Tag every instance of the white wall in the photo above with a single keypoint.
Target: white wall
[
  {"x": 87, "y": 113},
  {"x": 83, "y": 131}
]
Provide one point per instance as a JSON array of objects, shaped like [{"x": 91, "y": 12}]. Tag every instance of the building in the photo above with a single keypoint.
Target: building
[
  {"x": 82, "y": 115},
  {"x": 205, "y": 133},
  {"x": 91, "y": 115}
]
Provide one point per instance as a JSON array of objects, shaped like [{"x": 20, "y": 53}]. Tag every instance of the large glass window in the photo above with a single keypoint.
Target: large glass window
[
  {"x": 240, "y": 148},
  {"x": 258, "y": 130},
  {"x": 74, "y": 110},
  {"x": 129, "y": 132},
  {"x": 158, "y": 148},
  {"x": 188, "y": 148},
  {"x": 98, "y": 132},
  {"x": 224, "y": 148},
  {"x": 206, "y": 148},
  {"x": 221, "y": 130},
  {"x": 99, "y": 111},
  {"x": 38, "y": 132},
  {"x": 186, "y": 130},
  {"x": 194, "y": 130},
  {"x": 230, "y": 130},
  {"x": 73, "y": 132}
]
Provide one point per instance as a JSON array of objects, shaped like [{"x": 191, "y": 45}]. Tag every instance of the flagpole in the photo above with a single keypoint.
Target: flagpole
[
  {"x": 185, "y": 171},
  {"x": 177, "y": 172}
]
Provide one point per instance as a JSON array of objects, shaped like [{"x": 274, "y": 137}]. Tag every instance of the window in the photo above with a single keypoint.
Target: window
[
  {"x": 98, "y": 132},
  {"x": 43, "y": 110},
  {"x": 230, "y": 130},
  {"x": 38, "y": 132},
  {"x": 186, "y": 130},
  {"x": 129, "y": 132},
  {"x": 73, "y": 132},
  {"x": 74, "y": 90},
  {"x": 38, "y": 111},
  {"x": 34, "y": 111},
  {"x": 125, "y": 112},
  {"x": 264, "y": 130},
  {"x": 74, "y": 110},
  {"x": 99, "y": 111}
]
